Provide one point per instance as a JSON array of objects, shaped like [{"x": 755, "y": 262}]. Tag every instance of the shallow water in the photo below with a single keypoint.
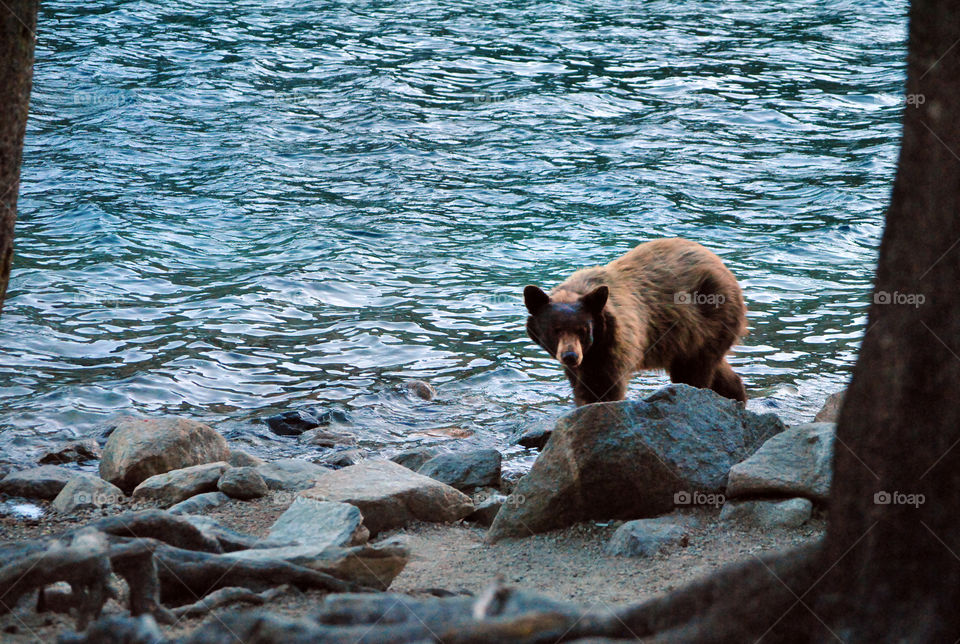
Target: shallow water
[{"x": 229, "y": 209}]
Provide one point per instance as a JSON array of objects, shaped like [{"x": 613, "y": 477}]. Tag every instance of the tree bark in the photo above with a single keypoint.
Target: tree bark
[
  {"x": 18, "y": 24},
  {"x": 894, "y": 567}
]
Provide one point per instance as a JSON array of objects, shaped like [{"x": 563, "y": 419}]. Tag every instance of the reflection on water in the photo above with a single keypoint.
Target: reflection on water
[{"x": 230, "y": 209}]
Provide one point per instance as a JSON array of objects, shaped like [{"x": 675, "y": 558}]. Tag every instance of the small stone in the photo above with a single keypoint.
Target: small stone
[
  {"x": 72, "y": 452},
  {"x": 465, "y": 470},
  {"x": 291, "y": 423},
  {"x": 343, "y": 458},
  {"x": 175, "y": 486},
  {"x": 486, "y": 510},
  {"x": 199, "y": 503},
  {"x": 291, "y": 474},
  {"x": 325, "y": 438},
  {"x": 535, "y": 437},
  {"x": 44, "y": 482},
  {"x": 139, "y": 448},
  {"x": 420, "y": 389},
  {"x": 414, "y": 459},
  {"x": 831, "y": 408},
  {"x": 86, "y": 491},
  {"x": 320, "y": 523},
  {"x": 791, "y": 513},
  {"x": 243, "y": 483},
  {"x": 239, "y": 458},
  {"x": 645, "y": 537}
]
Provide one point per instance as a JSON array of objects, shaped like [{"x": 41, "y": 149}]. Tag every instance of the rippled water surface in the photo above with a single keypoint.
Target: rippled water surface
[{"x": 230, "y": 209}]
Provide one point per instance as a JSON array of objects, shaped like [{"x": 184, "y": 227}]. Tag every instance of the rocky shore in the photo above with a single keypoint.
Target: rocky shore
[{"x": 181, "y": 536}]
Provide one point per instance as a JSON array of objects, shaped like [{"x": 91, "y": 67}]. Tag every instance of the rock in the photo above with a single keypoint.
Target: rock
[
  {"x": 297, "y": 421},
  {"x": 831, "y": 408},
  {"x": 86, "y": 491},
  {"x": 629, "y": 459},
  {"x": 414, "y": 459},
  {"x": 791, "y": 513},
  {"x": 243, "y": 483},
  {"x": 325, "y": 438},
  {"x": 72, "y": 452},
  {"x": 44, "y": 482},
  {"x": 239, "y": 458},
  {"x": 371, "y": 565},
  {"x": 175, "y": 486},
  {"x": 390, "y": 495},
  {"x": 797, "y": 462},
  {"x": 534, "y": 437},
  {"x": 199, "y": 503},
  {"x": 291, "y": 474},
  {"x": 320, "y": 523},
  {"x": 343, "y": 458},
  {"x": 139, "y": 448},
  {"x": 465, "y": 470},
  {"x": 486, "y": 510},
  {"x": 645, "y": 537},
  {"x": 420, "y": 389},
  {"x": 229, "y": 540}
]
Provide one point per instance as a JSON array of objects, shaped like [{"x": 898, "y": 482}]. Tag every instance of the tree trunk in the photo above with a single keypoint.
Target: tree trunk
[
  {"x": 895, "y": 567},
  {"x": 18, "y": 23}
]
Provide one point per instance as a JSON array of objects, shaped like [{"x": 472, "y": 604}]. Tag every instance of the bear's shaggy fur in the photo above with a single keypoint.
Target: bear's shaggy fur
[{"x": 667, "y": 304}]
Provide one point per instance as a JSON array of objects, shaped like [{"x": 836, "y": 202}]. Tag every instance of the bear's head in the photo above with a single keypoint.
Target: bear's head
[{"x": 566, "y": 329}]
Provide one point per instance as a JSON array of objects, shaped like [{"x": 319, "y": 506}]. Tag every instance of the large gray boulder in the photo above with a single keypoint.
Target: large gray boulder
[
  {"x": 177, "y": 485},
  {"x": 390, "y": 495},
  {"x": 319, "y": 524},
  {"x": 139, "y": 448},
  {"x": 630, "y": 459},
  {"x": 466, "y": 470},
  {"x": 797, "y": 462},
  {"x": 44, "y": 482}
]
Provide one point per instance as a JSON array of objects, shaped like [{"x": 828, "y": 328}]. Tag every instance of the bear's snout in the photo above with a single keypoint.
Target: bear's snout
[{"x": 569, "y": 351}]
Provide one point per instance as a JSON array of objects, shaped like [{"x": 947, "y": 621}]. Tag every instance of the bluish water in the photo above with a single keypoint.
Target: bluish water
[{"x": 230, "y": 209}]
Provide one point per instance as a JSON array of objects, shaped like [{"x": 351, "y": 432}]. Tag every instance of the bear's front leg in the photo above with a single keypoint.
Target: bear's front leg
[{"x": 591, "y": 386}]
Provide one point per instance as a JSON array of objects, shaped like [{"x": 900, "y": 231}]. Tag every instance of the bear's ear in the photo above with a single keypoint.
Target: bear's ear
[
  {"x": 595, "y": 300},
  {"x": 535, "y": 299}
]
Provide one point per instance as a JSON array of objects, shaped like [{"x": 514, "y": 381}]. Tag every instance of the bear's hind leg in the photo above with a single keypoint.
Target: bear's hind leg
[{"x": 727, "y": 383}]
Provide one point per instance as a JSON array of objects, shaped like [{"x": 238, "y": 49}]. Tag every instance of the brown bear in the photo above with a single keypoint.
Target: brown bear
[{"x": 667, "y": 304}]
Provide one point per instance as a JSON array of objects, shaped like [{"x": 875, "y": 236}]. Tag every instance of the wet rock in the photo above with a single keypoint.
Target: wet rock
[
  {"x": 239, "y": 458},
  {"x": 390, "y": 496},
  {"x": 646, "y": 537},
  {"x": 486, "y": 509},
  {"x": 831, "y": 408},
  {"x": 374, "y": 566},
  {"x": 465, "y": 470},
  {"x": 291, "y": 474},
  {"x": 243, "y": 483},
  {"x": 629, "y": 459},
  {"x": 534, "y": 437},
  {"x": 139, "y": 448},
  {"x": 791, "y": 513},
  {"x": 72, "y": 452},
  {"x": 325, "y": 438},
  {"x": 176, "y": 485},
  {"x": 420, "y": 389},
  {"x": 343, "y": 458},
  {"x": 44, "y": 482},
  {"x": 797, "y": 462},
  {"x": 199, "y": 503},
  {"x": 86, "y": 491},
  {"x": 414, "y": 459},
  {"x": 320, "y": 523},
  {"x": 298, "y": 421}
]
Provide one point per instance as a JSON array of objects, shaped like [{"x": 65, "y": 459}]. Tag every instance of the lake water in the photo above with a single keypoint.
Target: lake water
[{"x": 230, "y": 209}]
